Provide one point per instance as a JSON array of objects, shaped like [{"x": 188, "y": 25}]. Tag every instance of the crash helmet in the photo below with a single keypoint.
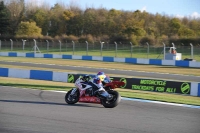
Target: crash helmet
[{"x": 101, "y": 76}]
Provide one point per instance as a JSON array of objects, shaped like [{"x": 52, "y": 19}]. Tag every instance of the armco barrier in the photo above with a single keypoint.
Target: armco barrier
[
  {"x": 179, "y": 63},
  {"x": 156, "y": 85}
]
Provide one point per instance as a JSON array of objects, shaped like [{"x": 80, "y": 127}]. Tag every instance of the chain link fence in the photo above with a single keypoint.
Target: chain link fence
[{"x": 96, "y": 49}]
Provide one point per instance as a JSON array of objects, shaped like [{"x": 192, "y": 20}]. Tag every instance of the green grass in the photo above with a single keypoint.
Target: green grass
[
  {"x": 99, "y": 64},
  {"x": 137, "y": 52}
]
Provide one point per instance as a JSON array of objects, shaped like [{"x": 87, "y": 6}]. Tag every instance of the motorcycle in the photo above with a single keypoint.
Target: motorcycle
[{"x": 84, "y": 92}]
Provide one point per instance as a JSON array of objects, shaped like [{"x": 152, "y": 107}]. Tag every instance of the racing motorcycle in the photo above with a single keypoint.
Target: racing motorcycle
[{"x": 84, "y": 92}]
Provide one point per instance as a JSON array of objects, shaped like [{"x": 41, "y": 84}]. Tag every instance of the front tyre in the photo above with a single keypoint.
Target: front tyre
[
  {"x": 72, "y": 96},
  {"x": 114, "y": 101}
]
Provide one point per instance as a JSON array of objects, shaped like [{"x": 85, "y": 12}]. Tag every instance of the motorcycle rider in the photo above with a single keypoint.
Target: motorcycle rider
[
  {"x": 97, "y": 83},
  {"x": 99, "y": 80}
]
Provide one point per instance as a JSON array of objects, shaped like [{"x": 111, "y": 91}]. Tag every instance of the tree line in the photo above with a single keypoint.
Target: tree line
[{"x": 70, "y": 22}]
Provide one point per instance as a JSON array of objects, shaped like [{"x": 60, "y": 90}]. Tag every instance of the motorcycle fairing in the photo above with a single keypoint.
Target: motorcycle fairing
[{"x": 88, "y": 99}]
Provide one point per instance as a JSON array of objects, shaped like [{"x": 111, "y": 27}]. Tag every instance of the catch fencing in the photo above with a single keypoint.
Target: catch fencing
[{"x": 117, "y": 49}]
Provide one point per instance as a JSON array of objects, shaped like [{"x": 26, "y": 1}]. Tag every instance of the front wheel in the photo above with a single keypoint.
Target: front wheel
[
  {"x": 114, "y": 101},
  {"x": 72, "y": 96}
]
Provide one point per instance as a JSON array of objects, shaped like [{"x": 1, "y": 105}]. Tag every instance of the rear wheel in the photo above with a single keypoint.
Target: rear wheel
[
  {"x": 114, "y": 101},
  {"x": 72, "y": 96}
]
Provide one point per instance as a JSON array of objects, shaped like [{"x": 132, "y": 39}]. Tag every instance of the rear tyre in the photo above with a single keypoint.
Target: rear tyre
[
  {"x": 72, "y": 98},
  {"x": 114, "y": 101}
]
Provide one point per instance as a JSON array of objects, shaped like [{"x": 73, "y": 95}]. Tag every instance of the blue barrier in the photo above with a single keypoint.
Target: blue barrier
[
  {"x": 12, "y": 54},
  {"x": 30, "y": 55},
  {"x": 41, "y": 75},
  {"x": 131, "y": 60},
  {"x": 4, "y": 72},
  {"x": 155, "y": 61},
  {"x": 66, "y": 56},
  {"x": 108, "y": 59},
  {"x": 179, "y": 63},
  {"x": 86, "y": 57},
  {"x": 48, "y": 55},
  {"x": 182, "y": 63},
  {"x": 63, "y": 77}
]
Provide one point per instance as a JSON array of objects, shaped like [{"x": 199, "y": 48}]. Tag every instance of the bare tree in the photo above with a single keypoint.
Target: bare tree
[{"x": 16, "y": 8}]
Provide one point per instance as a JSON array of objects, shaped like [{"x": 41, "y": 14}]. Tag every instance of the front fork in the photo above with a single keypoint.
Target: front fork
[{"x": 73, "y": 91}]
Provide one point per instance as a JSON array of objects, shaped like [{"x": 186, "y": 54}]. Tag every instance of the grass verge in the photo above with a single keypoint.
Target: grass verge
[
  {"x": 108, "y": 65},
  {"x": 49, "y": 85}
]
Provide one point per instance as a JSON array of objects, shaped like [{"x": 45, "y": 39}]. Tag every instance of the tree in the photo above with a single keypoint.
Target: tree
[
  {"x": 195, "y": 26},
  {"x": 28, "y": 29},
  {"x": 175, "y": 25},
  {"x": 186, "y": 32},
  {"x": 57, "y": 22},
  {"x": 114, "y": 22},
  {"x": 41, "y": 19},
  {"x": 135, "y": 30},
  {"x": 67, "y": 14},
  {"x": 17, "y": 9},
  {"x": 4, "y": 19}
]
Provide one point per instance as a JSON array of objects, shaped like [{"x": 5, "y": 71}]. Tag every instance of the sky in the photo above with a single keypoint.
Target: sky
[{"x": 178, "y": 8}]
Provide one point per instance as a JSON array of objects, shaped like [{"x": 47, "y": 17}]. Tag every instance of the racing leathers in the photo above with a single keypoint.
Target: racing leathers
[{"x": 98, "y": 88}]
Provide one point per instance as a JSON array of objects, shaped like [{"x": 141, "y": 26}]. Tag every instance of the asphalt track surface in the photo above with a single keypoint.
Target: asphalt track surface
[
  {"x": 36, "y": 111},
  {"x": 110, "y": 71}
]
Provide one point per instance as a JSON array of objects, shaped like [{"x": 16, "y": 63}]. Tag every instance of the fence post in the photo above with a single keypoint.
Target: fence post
[
  {"x": 34, "y": 46},
  {"x": 115, "y": 49},
  {"x": 173, "y": 45},
  {"x": 147, "y": 50},
  {"x": 60, "y": 45},
  {"x": 131, "y": 49},
  {"x": 66, "y": 45},
  {"x": 23, "y": 44},
  {"x": 11, "y": 48},
  {"x": 101, "y": 46},
  {"x": 86, "y": 47},
  {"x": 73, "y": 46},
  {"x": 0, "y": 45},
  {"x": 192, "y": 50},
  {"x": 47, "y": 46},
  {"x": 164, "y": 51}
]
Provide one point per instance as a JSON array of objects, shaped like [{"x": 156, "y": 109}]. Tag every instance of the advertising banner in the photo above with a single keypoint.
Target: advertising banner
[{"x": 154, "y": 85}]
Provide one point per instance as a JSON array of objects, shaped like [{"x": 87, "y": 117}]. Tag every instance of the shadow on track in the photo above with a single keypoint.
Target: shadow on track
[{"x": 48, "y": 103}]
